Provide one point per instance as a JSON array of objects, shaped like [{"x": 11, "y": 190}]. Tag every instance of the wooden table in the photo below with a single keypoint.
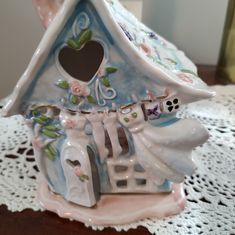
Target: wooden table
[{"x": 47, "y": 223}]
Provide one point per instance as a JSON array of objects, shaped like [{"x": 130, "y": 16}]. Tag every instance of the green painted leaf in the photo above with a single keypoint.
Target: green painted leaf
[
  {"x": 86, "y": 177},
  {"x": 172, "y": 61},
  {"x": 43, "y": 120},
  {"x": 74, "y": 99},
  {"x": 72, "y": 43},
  {"x": 49, "y": 155},
  {"x": 50, "y": 134},
  {"x": 52, "y": 149},
  {"x": 52, "y": 128},
  {"x": 83, "y": 38},
  {"x": 39, "y": 121},
  {"x": 63, "y": 84},
  {"x": 188, "y": 71},
  {"x": 83, "y": 178},
  {"x": 105, "y": 82},
  {"x": 110, "y": 70},
  {"x": 36, "y": 113},
  {"x": 91, "y": 99}
]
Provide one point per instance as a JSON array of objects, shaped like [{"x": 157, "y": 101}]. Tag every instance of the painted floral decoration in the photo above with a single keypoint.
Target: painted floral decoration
[
  {"x": 46, "y": 131},
  {"x": 77, "y": 91},
  {"x": 145, "y": 48},
  {"x": 70, "y": 124},
  {"x": 103, "y": 75},
  {"x": 185, "y": 77},
  {"x": 79, "y": 173}
]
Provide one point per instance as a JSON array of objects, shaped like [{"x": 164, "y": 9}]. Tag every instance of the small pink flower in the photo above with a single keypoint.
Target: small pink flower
[
  {"x": 78, "y": 172},
  {"x": 145, "y": 48},
  {"x": 79, "y": 89},
  {"x": 37, "y": 143},
  {"x": 70, "y": 124},
  {"x": 102, "y": 72},
  {"x": 184, "y": 78}
]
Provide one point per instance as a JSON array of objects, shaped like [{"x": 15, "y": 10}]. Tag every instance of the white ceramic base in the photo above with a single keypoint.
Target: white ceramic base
[{"x": 115, "y": 209}]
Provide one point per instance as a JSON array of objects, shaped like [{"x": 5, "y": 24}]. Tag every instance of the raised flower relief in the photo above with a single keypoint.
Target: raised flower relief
[
  {"x": 79, "y": 173},
  {"x": 103, "y": 74},
  {"x": 103, "y": 88},
  {"x": 76, "y": 92},
  {"x": 98, "y": 77},
  {"x": 79, "y": 89},
  {"x": 47, "y": 131}
]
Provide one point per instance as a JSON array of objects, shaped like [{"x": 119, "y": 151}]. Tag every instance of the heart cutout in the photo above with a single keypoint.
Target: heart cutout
[
  {"x": 73, "y": 163},
  {"x": 82, "y": 64}
]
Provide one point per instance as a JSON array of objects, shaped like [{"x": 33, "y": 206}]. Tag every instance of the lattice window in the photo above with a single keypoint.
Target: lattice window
[{"x": 126, "y": 175}]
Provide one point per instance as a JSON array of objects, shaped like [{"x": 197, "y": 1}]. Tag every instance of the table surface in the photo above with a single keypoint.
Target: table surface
[{"x": 43, "y": 223}]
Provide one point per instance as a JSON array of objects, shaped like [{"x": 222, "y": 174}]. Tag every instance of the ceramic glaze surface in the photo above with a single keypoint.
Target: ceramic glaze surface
[
  {"x": 47, "y": 10},
  {"x": 76, "y": 162},
  {"x": 97, "y": 73},
  {"x": 116, "y": 209},
  {"x": 154, "y": 47},
  {"x": 115, "y": 80},
  {"x": 164, "y": 156}
]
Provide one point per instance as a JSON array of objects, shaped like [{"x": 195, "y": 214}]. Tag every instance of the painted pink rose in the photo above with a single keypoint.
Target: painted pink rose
[
  {"x": 184, "y": 77},
  {"x": 145, "y": 48},
  {"x": 78, "y": 172},
  {"x": 79, "y": 89},
  {"x": 70, "y": 124},
  {"x": 37, "y": 143}
]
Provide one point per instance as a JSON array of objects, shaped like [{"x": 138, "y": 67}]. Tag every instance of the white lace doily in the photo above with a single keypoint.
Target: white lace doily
[{"x": 210, "y": 191}]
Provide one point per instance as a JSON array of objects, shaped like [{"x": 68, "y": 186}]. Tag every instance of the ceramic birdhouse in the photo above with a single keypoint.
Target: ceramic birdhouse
[{"x": 101, "y": 96}]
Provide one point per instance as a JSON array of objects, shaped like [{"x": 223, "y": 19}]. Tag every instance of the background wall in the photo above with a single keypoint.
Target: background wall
[
  {"x": 21, "y": 32},
  {"x": 194, "y": 26},
  {"x": 135, "y": 6}
]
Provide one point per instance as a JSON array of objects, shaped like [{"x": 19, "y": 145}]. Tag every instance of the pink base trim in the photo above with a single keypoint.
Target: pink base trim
[{"x": 115, "y": 209}]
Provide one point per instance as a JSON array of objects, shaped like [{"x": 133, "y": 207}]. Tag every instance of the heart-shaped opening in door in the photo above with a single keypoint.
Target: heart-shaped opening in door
[{"x": 82, "y": 64}]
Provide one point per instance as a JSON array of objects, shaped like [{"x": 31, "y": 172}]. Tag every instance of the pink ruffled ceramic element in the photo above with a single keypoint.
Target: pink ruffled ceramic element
[
  {"x": 47, "y": 10},
  {"x": 79, "y": 89},
  {"x": 115, "y": 209}
]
